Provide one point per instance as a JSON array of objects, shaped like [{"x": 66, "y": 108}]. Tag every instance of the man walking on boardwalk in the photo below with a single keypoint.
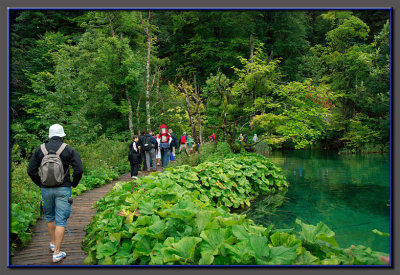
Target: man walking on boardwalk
[
  {"x": 149, "y": 145},
  {"x": 53, "y": 158}
]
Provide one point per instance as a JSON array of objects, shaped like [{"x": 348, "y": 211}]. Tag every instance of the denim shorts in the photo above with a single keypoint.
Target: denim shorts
[{"x": 55, "y": 204}]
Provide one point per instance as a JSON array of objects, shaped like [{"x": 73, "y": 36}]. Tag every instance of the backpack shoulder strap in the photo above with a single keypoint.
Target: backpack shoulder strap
[
  {"x": 43, "y": 148},
  {"x": 62, "y": 147}
]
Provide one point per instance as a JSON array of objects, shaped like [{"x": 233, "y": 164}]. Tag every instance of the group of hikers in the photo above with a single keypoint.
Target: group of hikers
[
  {"x": 149, "y": 150},
  {"x": 243, "y": 140}
]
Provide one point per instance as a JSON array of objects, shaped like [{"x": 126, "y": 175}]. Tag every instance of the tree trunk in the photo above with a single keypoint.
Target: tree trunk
[
  {"x": 251, "y": 49},
  {"x": 250, "y": 71},
  {"x": 198, "y": 103},
  {"x": 270, "y": 55},
  {"x": 232, "y": 138},
  {"x": 251, "y": 52},
  {"x": 158, "y": 91},
  {"x": 130, "y": 114},
  {"x": 188, "y": 106},
  {"x": 137, "y": 115},
  {"x": 148, "y": 35},
  {"x": 111, "y": 26}
]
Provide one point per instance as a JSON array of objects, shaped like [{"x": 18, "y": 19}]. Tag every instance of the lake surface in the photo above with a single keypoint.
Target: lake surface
[{"x": 349, "y": 193}]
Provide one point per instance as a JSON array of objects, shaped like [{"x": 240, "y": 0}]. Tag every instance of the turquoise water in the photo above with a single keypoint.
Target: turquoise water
[{"x": 349, "y": 193}]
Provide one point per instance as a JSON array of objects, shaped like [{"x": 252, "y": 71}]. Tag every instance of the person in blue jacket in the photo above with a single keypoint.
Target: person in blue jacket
[{"x": 149, "y": 145}]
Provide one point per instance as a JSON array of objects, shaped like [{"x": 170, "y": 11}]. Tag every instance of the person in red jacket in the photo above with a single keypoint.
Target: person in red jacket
[
  {"x": 164, "y": 145},
  {"x": 212, "y": 137},
  {"x": 183, "y": 144}
]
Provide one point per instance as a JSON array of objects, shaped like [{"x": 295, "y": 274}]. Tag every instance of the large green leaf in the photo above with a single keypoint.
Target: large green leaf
[
  {"x": 156, "y": 256},
  {"x": 231, "y": 220},
  {"x": 124, "y": 250},
  {"x": 146, "y": 207},
  {"x": 306, "y": 258},
  {"x": 203, "y": 219},
  {"x": 143, "y": 221},
  {"x": 285, "y": 239},
  {"x": 106, "y": 261},
  {"x": 240, "y": 252},
  {"x": 311, "y": 233},
  {"x": 144, "y": 245},
  {"x": 184, "y": 210},
  {"x": 259, "y": 248},
  {"x": 156, "y": 229},
  {"x": 240, "y": 232},
  {"x": 89, "y": 260},
  {"x": 207, "y": 258},
  {"x": 213, "y": 239},
  {"x": 115, "y": 237},
  {"x": 182, "y": 251},
  {"x": 105, "y": 249},
  {"x": 282, "y": 255}
]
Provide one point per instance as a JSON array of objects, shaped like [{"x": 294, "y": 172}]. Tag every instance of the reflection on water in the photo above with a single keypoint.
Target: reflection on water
[{"x": 350, "y": 194}]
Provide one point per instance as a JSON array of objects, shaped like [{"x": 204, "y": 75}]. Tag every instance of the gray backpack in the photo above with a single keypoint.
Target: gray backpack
[{"x": 51, "y": 167}]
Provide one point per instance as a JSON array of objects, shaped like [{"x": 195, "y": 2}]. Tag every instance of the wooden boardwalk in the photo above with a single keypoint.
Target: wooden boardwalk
[{"x": 37, "y": 252}]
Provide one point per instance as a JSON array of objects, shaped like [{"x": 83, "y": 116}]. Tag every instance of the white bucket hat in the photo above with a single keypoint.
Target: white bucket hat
[{"x": 56, "y": 130}]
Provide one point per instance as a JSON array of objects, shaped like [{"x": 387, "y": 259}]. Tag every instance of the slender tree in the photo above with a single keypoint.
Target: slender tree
[{"x": 147, "y": 31}]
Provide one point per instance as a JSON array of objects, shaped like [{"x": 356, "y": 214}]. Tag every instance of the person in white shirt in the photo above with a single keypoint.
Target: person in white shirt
[{"x": 255, "y": 138}]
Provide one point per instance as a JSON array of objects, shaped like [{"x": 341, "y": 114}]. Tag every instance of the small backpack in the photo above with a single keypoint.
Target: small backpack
[
  {"x": 51, "y": 168},
  {"x": 183, "y": 140},
  {"x": 147, "y": 144},
  {"x": 164, "y": 141}
]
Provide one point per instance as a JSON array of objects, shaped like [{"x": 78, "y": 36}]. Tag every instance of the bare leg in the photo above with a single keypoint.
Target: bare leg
[
  {"x": 51, "y": 226},
  {"x": 59, "y": 236}
]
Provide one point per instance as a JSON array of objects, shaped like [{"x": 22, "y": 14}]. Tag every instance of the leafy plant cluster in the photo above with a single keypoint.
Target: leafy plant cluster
[
  {"x": 95, "y": 179},
  {"x": 161, "y": 221},
  {"x": 103, "y": 161},
  {"x": 233, "y": 182}
]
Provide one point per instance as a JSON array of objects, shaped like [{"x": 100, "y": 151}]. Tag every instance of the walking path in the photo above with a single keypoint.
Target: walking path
[{"x": 37, "y": 252}]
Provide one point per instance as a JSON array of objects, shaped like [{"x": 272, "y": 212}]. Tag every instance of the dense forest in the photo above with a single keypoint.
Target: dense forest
[{"x": 297, "y": 78}]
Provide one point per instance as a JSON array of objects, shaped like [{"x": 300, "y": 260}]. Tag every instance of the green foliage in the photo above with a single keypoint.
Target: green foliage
[
  {"x": 350, "y": 66},
  {"x": 86, "y": 69},
  {"x": 359, "y": 134},
  {"x": 22, "y": 142},
  {"x": 284, "y": 119},
  {"x": 163, "y": 220},
  {"x": 351, "y": 31},
  {"x": 24, "y": 206}
]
